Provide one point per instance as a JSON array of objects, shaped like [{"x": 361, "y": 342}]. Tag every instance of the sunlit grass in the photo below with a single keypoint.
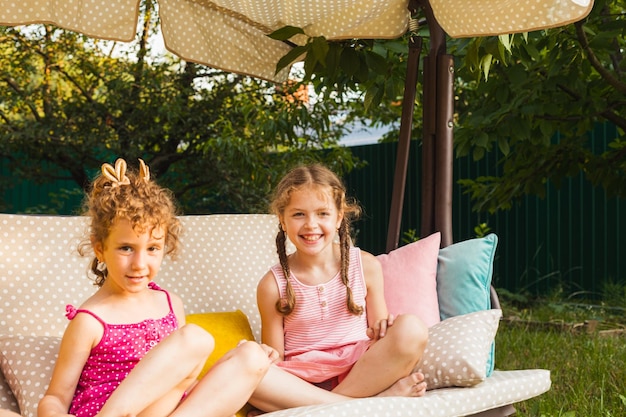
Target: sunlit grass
[{"x": 588, "y": 370}]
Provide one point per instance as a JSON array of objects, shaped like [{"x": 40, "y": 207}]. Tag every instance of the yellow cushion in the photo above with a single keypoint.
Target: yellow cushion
[{"x": 227, "y": 328}]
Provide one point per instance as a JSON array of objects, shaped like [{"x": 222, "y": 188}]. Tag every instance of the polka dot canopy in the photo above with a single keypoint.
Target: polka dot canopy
[
  {"x": 468, "y": 18},
  {"x": 232, "y": 34},
  {"x": 226, "y": 34}
]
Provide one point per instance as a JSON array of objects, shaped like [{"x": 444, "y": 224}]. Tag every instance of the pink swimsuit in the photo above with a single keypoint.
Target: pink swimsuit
[{"x": 121, "y": 347}]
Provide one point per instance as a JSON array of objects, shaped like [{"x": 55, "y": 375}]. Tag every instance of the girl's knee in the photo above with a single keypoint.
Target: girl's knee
[
  {"x": 253, "y": 357},
  {"x": 196, "y": 339},
  {"x": 409, "y": 332}
]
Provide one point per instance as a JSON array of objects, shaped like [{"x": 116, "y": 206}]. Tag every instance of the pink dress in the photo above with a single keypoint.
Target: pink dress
[
  {"x": 323, "y": 339},
  {"x": 121, "y": 348}
]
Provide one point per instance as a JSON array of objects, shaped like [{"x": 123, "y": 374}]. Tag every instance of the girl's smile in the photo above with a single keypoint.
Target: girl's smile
[{"x": 311, "y": 218}]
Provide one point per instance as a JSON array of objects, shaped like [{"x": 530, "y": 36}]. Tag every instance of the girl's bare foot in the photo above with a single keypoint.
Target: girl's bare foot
[{"x": 409, "y": 386}]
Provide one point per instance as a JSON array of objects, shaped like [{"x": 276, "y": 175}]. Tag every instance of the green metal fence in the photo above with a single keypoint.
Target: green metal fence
[{"x": 573, "y": 239}]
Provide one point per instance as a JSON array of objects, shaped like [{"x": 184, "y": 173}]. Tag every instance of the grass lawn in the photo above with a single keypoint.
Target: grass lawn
[{"x": 587, "y": 364}]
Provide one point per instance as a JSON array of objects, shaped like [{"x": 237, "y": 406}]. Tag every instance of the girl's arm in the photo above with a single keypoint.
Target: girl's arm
[
  {"x": 81, "y": 335},
  {"x": 272, "y": 332},
  {"x": 376, "y": 308}
]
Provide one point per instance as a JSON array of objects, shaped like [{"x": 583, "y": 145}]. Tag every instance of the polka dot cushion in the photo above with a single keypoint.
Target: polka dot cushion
[
  {"x": 27, "y": 363},
  {"x": 458, "y": 349},
  {"x": 40, "y": 272},
  {"x": 221, "y": 261},
  {"x": 467, "y": 18},
  {"x": 226, "y": 34},
  {"x": 7, "y": 399}
]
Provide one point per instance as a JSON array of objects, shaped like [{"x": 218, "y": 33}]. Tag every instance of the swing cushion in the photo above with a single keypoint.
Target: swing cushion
[
  {"x": 464, "y": 276},
  {"x": 410, "y": 274},
  {"x": 227, "y": 328},
  {"x": 458, "y": 350},
  {"x": 27, "y": 363}
]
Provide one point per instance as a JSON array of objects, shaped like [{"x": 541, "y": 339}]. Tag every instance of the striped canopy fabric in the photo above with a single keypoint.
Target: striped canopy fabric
[{"x": 232, "y": 34}]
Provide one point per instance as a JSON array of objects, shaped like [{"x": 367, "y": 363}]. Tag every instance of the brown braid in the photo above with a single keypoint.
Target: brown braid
[
  {"x": 284, "y": 305},
  {"x": 344, "y": 244}
]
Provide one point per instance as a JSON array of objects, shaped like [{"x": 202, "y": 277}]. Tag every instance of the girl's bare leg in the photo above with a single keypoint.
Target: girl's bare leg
[
  {"x": 391, "y": 359},
  {"x": 228, "y": 385},
  {"x": 156, "y": 385},
  {"x": 279, "y": 390}
]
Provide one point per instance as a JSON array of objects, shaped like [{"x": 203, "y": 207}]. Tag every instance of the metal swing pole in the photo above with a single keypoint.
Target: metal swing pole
[
  {"x": 406, "y": 124},
  {"x": 437, "y": 141}
]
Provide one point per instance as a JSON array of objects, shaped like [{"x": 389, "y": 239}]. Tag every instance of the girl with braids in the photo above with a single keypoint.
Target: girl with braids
[
  {"x": 127, "y": 350},
  {"x": 322, "y": 307}
]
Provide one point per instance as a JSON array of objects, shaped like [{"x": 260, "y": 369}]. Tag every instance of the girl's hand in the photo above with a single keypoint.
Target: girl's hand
[
  {"x": 380, "y": 328},
  {"x": 272, "y": 353}
]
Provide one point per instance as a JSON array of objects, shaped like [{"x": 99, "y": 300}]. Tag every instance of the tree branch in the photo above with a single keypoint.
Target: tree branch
[
  {"x": 6, "y": 120},
  {"x": 30, "y": 105},
  {"x": 615, "y": 118},
  {"x": 72, "y": 80},
  {"x": 595, "y": 62}
]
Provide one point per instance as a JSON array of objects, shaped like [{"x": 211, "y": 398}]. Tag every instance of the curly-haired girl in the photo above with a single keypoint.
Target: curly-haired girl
[{"x": 127, "y": 350}]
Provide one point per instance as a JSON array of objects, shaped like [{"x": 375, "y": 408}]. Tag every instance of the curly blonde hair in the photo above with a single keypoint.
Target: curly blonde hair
[
  {"x": 315, "y": 176},
  {"x": 134, "y": 197}
]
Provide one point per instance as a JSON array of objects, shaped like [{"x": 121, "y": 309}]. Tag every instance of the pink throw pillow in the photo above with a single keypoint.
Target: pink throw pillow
[{"x": 410, "y": 274}]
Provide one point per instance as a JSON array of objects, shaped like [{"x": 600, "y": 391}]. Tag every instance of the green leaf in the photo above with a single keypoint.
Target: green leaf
[
  {"x": 505, "y": 40},
  {"x": 478, "y": 154},
  {"x": 310, "y": 63},
  {"x": 290, "y": 57},
  {"x": 532, "y": 51},
  {"x": 319, "y": 48},
  {"x": 486, "y": 65},
  {"x": 376, "y": 62},
  {"x": 286, "y": 32},
  {"x": 546, "y": 128},
  {"x": 349, "y": 61},
  {"x": 362, "y": 73},
  {"x": 332, "y": 60},
  {"x": 396, "y": 47},
  {"x": 472, "y": 56},
  {"x": 482, "y": 140},
  {"x": 370, "y": 97},
  {"x": 503, "y": 145}
]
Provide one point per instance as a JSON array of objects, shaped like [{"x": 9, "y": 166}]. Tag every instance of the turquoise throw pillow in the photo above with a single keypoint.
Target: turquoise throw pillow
[{"x": 464, "y": 272}]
